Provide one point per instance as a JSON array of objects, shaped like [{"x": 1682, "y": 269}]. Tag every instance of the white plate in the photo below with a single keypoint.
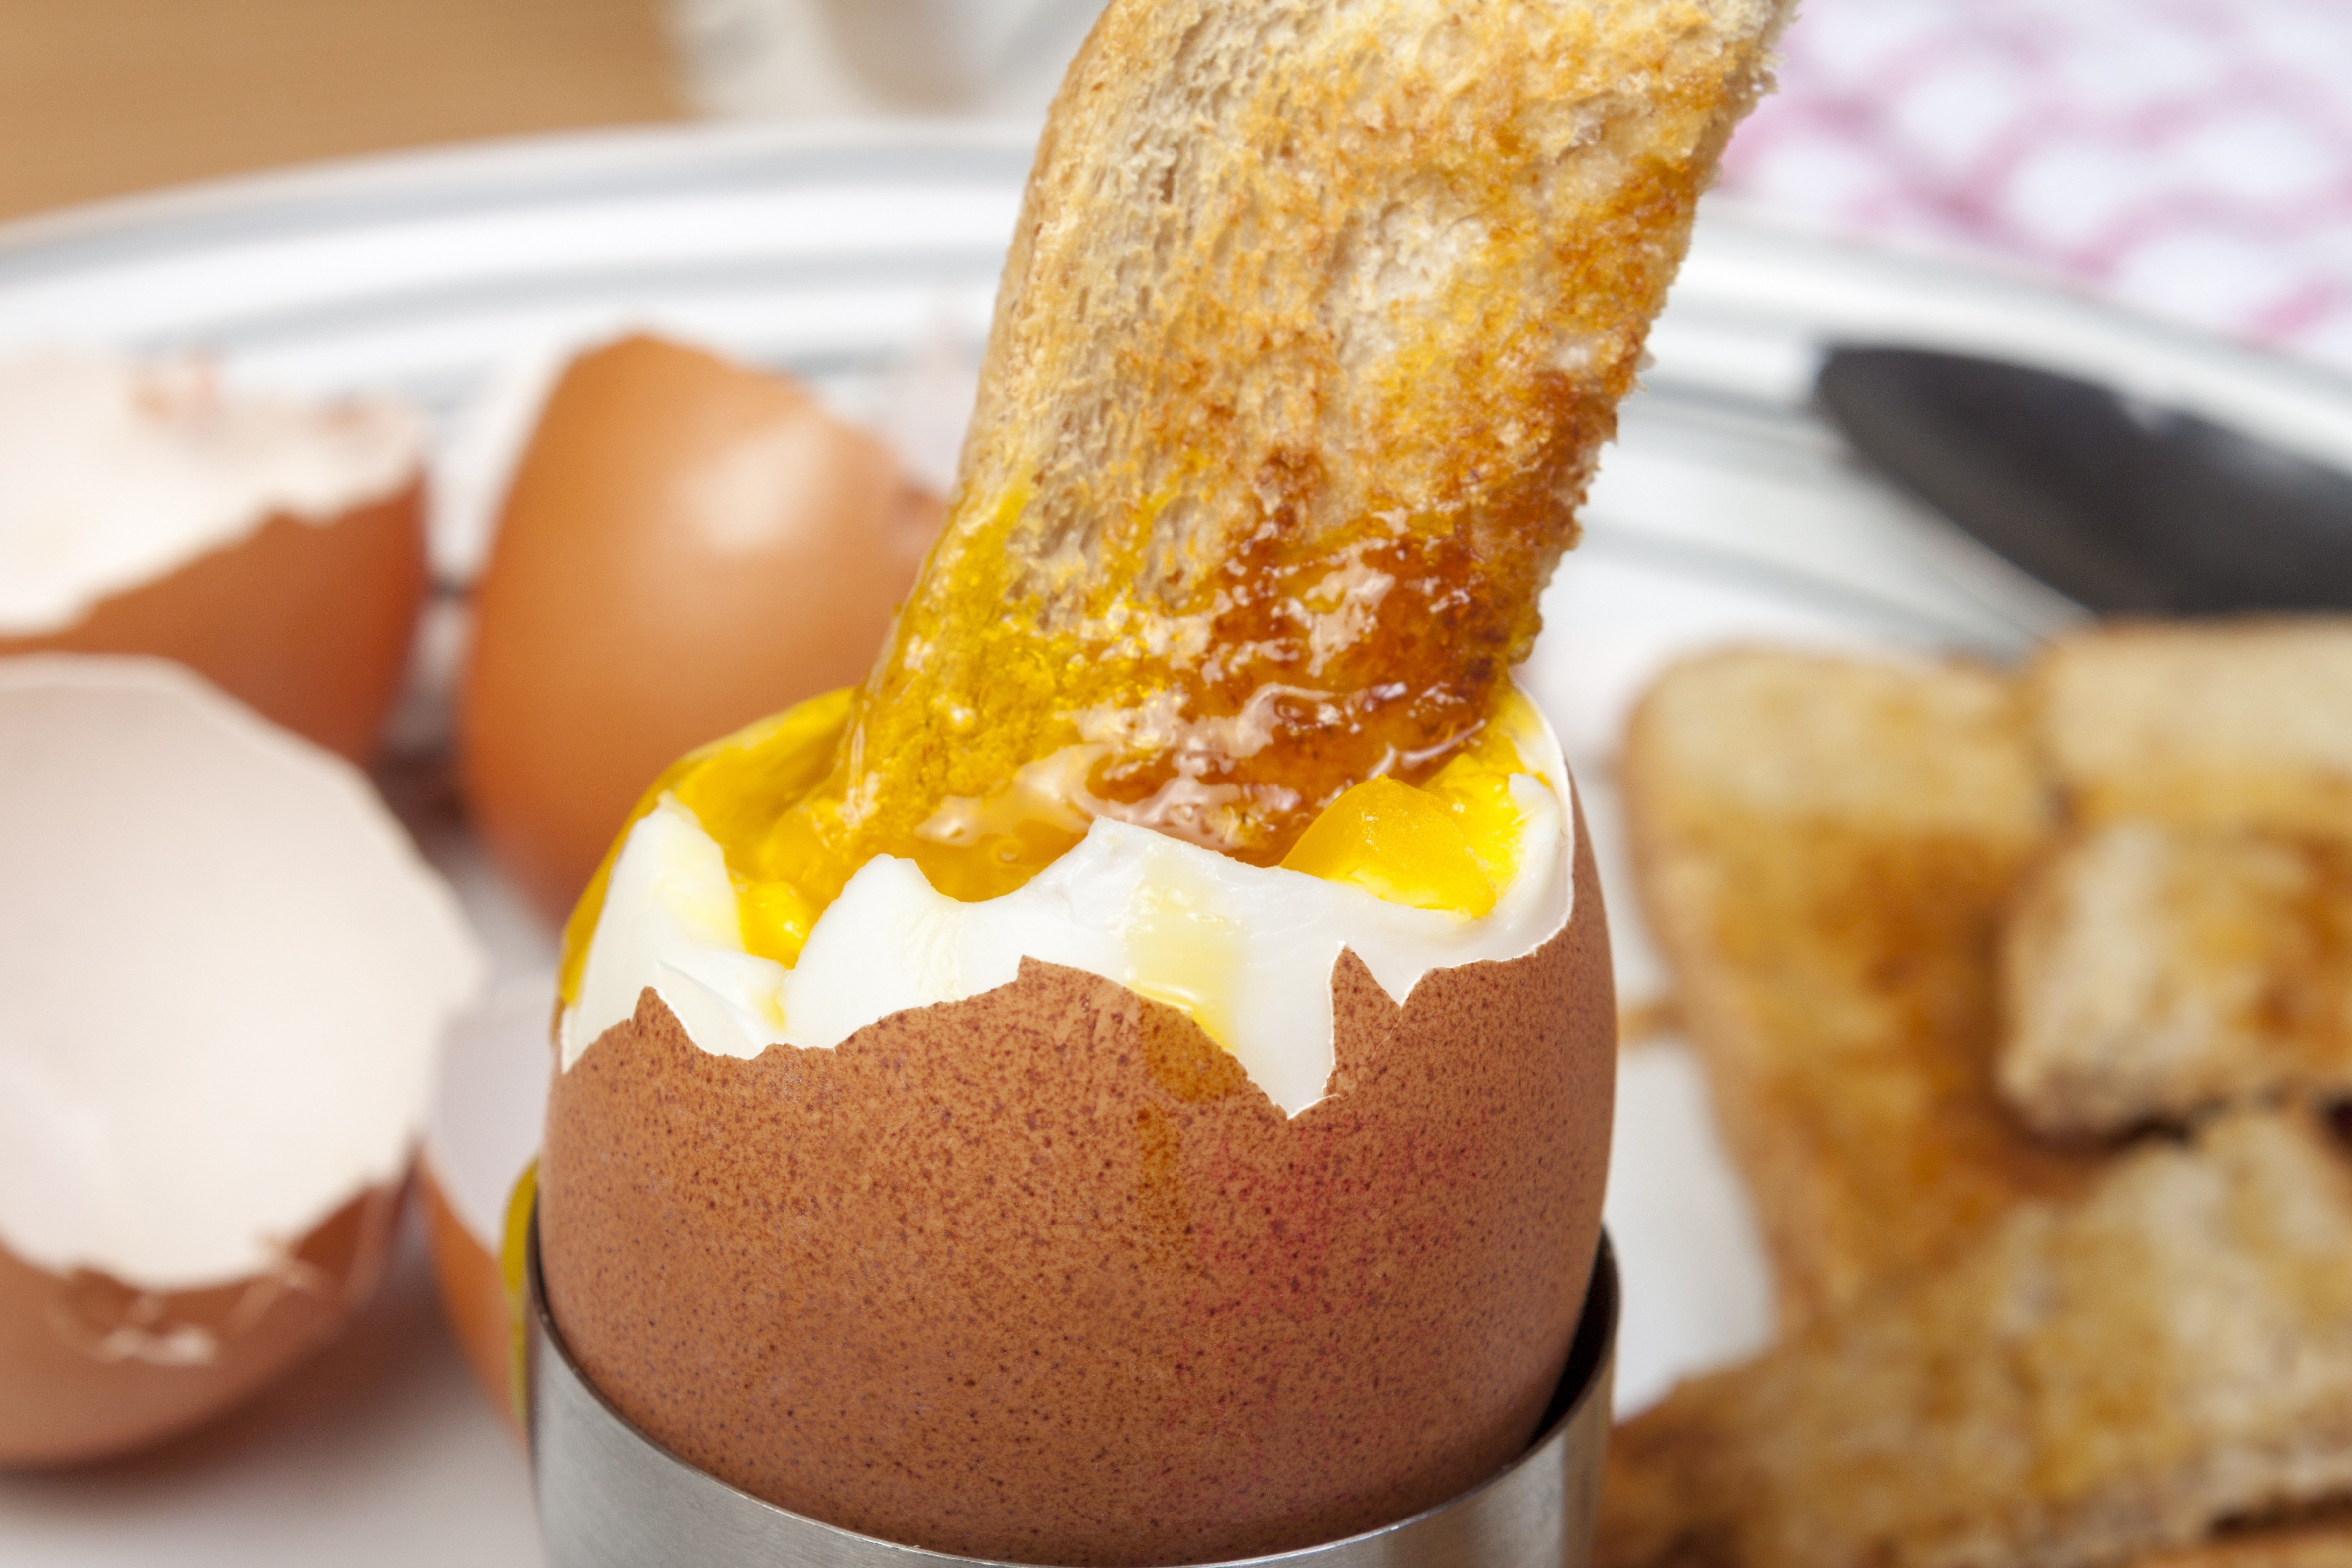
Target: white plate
[{"x": 1726, "y": 511}]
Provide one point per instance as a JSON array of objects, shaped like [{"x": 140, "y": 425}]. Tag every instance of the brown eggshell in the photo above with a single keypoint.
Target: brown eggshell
[
  {"x": 1041, "y": 1276},
  {"x": 687, "y": 545},
  {"x": 473, "y": 1297},
  {"x": 93, "y": 1368},
  {"x": 307, "y": 622}
]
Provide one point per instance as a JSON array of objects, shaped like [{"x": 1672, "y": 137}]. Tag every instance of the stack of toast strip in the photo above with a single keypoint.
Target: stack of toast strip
[
  {"x": 2190, "y": 946},
  {"x": 2018, "y": 1328},
  {"x": 1824, "y": 845}
]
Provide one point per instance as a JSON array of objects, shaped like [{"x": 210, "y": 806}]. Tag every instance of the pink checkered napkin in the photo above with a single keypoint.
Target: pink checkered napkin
[{"x": 2188, "y": 158}]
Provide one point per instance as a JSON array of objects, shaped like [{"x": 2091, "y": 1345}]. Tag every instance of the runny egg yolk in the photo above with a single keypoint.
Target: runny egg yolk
[{"x": 1450, "y": 844}]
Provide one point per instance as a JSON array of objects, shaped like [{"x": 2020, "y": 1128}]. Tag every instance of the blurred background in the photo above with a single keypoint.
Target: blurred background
[{"x": 2191, "y": 159}]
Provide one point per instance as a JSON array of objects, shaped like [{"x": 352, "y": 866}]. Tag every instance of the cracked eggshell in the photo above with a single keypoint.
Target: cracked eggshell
[
  {"x": 473, "y": 1289},
  {"x": 1042, "y": 1276},
  {"x": 687, "y": 545},
  {"x": 279, "y": 550},
  {"x": 227, "y": 975},
  {"x": 91, "y": 1367},
  {"x": 489, "y": 1105}
]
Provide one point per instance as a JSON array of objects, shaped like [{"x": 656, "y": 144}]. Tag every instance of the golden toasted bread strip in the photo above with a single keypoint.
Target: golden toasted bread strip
[
  {"x": 1823, "y": 845},
  {"x": 2089, "y": 1381},
  {"x": 1315, "y": 321},
  {"x": 2236, "y": 725},
  {"x": 2150, "y": 973}
]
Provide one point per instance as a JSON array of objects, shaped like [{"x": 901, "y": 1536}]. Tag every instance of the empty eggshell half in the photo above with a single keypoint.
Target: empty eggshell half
[
  {"x": 488, "y": 1108},
  {"x": 227, "y": 975},
  {"x": 277, "y": 548},
  {"x": 687, "y": 545}
]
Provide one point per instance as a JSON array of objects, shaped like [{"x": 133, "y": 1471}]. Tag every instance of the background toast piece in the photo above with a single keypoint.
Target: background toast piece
[
  {"x": 2232, "y": 724},
  {"x": 1823, "y": 845},
  {"x": 2150, "y": 973},
  {"x": 2091, "y": 1380},
  {"x": 2324, "y": 1542}
]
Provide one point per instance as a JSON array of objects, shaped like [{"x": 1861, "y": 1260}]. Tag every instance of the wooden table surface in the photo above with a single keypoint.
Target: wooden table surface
[{"x": 100, "y": 97}]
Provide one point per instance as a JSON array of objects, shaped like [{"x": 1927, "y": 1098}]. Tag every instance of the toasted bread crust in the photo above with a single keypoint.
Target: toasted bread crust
[{"x": 1315, "y": 321}]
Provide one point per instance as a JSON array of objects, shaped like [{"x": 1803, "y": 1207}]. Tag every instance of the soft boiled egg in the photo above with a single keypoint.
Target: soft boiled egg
[
  {"x": 687, "y": 543},
  {"x": 1164, "y": 1207},
  {"x": 227, "y": 973},
  {"x": 276, "y": 547}
]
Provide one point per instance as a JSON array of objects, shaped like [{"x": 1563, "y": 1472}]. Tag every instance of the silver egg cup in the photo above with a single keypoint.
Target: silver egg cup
[{"x": 610, "y": 1497}]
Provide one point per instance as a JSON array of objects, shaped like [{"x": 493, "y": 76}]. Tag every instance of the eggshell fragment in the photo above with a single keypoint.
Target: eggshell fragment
[
  {"x": 309, "y": 623},
  {"x": 489, "y": 1105},
  {"x": 688, "y": 544},
  {"x": 473, "y": 1291},
  {"x": 1041, "y": 1276},
  {"x": 277, "y": 549},
  {"x": 90, "y": 1366},
  {"x": 226, "y": 973}
]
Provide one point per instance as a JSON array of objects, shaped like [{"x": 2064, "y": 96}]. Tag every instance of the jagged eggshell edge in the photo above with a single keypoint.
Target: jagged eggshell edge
[{"x": 308, "y": 622}]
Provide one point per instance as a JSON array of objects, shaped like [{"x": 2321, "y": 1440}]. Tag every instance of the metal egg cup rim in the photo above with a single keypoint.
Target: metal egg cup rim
[{"x": 1590, "y": 1355}]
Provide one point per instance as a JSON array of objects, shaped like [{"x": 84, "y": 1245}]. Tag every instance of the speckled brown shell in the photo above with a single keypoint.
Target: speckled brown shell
[
  {"x": 90, "y": 1368},
  {"x": 1041, "y": 1276}
]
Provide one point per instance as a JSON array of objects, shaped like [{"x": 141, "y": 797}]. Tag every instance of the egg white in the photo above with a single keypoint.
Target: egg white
[{"x": 1248, "y": 949}]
